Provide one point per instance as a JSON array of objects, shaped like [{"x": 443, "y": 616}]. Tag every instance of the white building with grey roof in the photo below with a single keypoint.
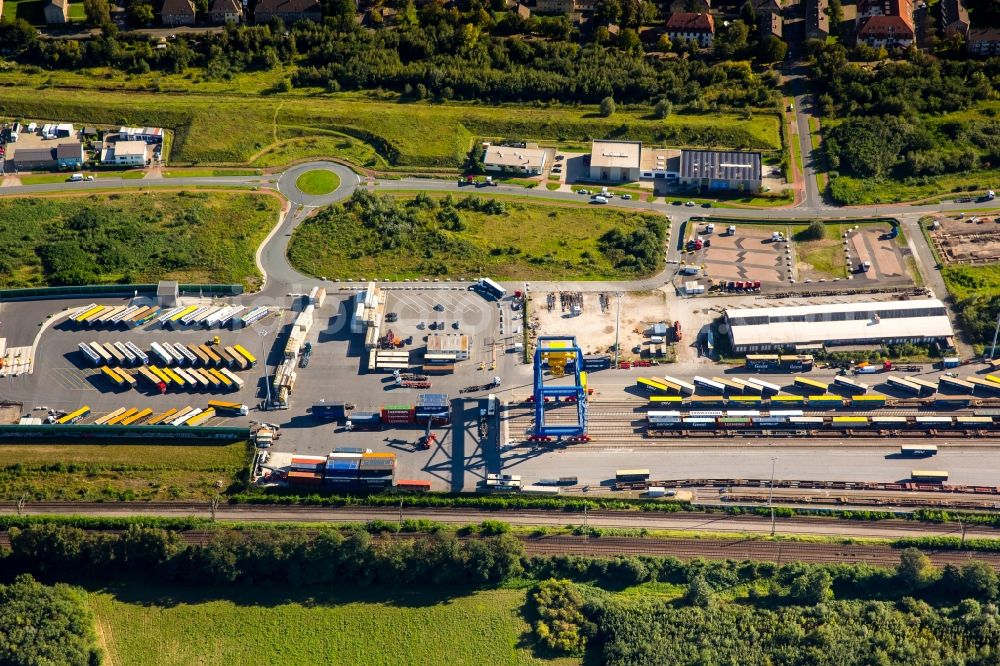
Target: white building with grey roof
[
  {"x": 721, "y": 170},
  {"x": 508, "y": 159},
  {"x": 836, "y": 324}
]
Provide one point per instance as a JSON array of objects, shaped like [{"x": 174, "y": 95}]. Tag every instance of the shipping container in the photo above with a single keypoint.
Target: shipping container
[
  {"x": 983, "y": 386},
  {"x": 146, "y": 374},
  {"x": 233, "y": 408},
  {"x": 766, "y": 388},
  {"x": 250, "y": 358},
  {"x": 127, "y": 377},
  {"x": 731, "y": 386},
  {"x": 709, "y": 385},
  {"x": 198, "y": 379},
  {"x": 118, "y": 418},
  {"x": 210, "y": 378},
  {"x": 850, "y": 385},
  {"x": 74, "y": 416},
  {"x": 227, "y": 384},
  {"x": 200, "y": 354},
  {"x": 213, "y": 358},
  {"x": 918, "y": 449},
  {"x": 83, "y": 312},
  {"x": 182, "y": 417},
  {"x": 140, "y": 355},
  {"x": 686, "y": 388},
  {"x": 200, "y": 418},
  {"x": 904, "y": 385},
  {"x": 160, "y": 418},
  {"x": 413, "y": 485},
  {"x": 956, "y": 384},
  {"x": 130, "y": 358},
  {"x": 331, "y": 411},
  {"x": 161, "y": 354},
  {"x": 107, "y": 417},
  {"x": 231, "y": 376},
  {"x": 763, "y": 362},
  {"x": 112, "y": 376},
  {"x": 811, "y": 386},
  {"x": 926, "y": 387},
  {"x": 88, "y": 352}
]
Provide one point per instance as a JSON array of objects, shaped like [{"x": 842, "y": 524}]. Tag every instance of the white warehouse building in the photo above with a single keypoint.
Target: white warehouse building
[{"x": 884, "y": 322}]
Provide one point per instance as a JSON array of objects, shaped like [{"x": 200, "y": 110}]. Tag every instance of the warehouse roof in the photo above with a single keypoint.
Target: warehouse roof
[
  {"x": 726, "y": 165},
  {"x": 624, "y": 154},
  {"x": 839, "y": 321},
  {"x": 506, "y": 156}
]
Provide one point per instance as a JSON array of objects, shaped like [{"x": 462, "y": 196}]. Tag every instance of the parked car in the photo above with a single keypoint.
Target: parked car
[
  {"x": 391, "y": 317},
  {"x": 706, "y": 205},
  {"x": 583, "y": 191},
  {"x": 690, "y": 204}
]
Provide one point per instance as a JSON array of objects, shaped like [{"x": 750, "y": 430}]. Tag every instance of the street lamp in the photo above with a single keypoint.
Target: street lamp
[
  {"x": 618, "y": 317},
  {"x": 262, "y": 332}
]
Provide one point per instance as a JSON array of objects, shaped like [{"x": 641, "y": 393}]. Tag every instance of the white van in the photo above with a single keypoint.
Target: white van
[{"x": 598, "y": 199}]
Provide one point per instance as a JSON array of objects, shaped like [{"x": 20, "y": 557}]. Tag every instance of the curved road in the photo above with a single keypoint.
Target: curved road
[{"x": 281, "y": 277}]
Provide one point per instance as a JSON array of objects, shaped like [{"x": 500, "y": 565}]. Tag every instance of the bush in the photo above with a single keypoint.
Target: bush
[
  {"x": 814, "y": 232},
  {"x": 607, "y": 107},
  {"x": 562, "y": 625}
]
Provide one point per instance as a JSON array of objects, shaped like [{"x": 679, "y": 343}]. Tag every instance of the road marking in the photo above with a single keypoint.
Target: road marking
[{"x": 72, "y": 379}]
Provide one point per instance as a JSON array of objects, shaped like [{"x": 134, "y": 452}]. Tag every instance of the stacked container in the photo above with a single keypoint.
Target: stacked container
[
  {"x": 342, "y": 469},
  {"x": 398, "y": 414}
]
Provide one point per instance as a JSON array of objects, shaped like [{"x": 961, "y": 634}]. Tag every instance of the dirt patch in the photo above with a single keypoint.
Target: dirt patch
[
  {"x": 594, "y": 326},
  {"x": 969, "y": 240}
]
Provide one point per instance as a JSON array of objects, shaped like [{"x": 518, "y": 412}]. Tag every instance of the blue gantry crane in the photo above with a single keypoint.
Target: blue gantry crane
[{"x": 559, "y": 353}]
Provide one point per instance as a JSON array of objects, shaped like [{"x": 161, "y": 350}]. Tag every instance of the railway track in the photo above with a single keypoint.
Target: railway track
[{"x": 779, "y": 552}]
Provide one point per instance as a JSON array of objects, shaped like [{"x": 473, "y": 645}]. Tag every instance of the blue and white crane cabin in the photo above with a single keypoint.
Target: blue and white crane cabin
[{"x": 559, "y": 354}]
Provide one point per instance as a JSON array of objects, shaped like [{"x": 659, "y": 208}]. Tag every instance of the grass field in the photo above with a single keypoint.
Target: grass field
[
  {"x": 965, "y": 281},
  {"x": 868, "y": 191},
  {"x": 528, "y": 241},
  {"x": 117, "y": 472},
  {"x": 318, "y": 182},
  {"x": 209, "y": 173},
  {"x": 119, "y": 237},
  {"x": 404, "y": 134},
  {"x": 296, "y": 147},
  {"x": 142, "y": 625}
]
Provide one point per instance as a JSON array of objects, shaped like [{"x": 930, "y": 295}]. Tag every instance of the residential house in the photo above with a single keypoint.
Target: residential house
[
  {"x": 817, "y": 19},
  {"x": 769, "y": 21},
  {"x": 33, "y": 159},
  {"x": 124, "y": 153},
  {"x": 692, "y": 27},
  {"x": 56, "y": 12},
  {"x": 984, "y": 42},
  {"x": 69, "y": 155},
  {"x": 288, "y": 11},
  {"x": 523, "y": 11},
  {"x": 887, "y": 23},
  {"x": 954, "y": 18},
  {"x": 177, "y": 12},
  {"x": 222, "y": 12},
  {"x": 147, "y": 134}
]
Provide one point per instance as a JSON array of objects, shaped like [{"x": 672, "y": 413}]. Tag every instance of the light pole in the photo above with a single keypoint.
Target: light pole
[
  {"x": 770, "y": 495},
  {"x": 618, "y": 318},
  {"x": 262, "y": 332},
  {"x": 993, "y": 347}
]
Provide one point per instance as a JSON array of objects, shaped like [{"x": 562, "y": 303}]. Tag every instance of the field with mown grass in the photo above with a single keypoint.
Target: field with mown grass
[
  {"x": 520, "y": 241},
  {"x": 237, "y": 130},
  {"x": 168, "y": 627},
  {"x": 119, "y": 471},
  {"x": 105, "y": 238}
]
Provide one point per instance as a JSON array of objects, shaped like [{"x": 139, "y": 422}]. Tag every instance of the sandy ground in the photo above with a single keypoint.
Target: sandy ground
[
  {"x": 971, "y": 239},
  {"x": 594, "y": 328},
  {"x": 10, "y": 181}
]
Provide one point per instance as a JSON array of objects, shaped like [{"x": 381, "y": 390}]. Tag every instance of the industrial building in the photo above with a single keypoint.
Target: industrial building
[
  {"x": 509, "y": 159},
  {"x": 615, "y": 161},
  {"x": 808, "y": 326},
  {"x": 447, "y": 347},
  {"x": 721, "y": 170}
]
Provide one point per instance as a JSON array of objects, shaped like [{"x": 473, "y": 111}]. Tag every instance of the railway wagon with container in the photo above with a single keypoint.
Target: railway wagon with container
[
  {"x": 862, "y": 402},
  {"x": 664, "y": 400},
  {"x": 852, "y": 386},
  {"x": 811, "y": 386},
  {"x": 850, "y": 421},
  {"x": 709, "y": 385},
  {"x": 660, "y": 418},
  {"x": 826, "y": 401},
  {"x": 956, "y": 384},
  {"x": 787, "y": 401},
  {"x": 685, "y": 387},
  {"x": 747, "y": 400},
  {"x": 766, "y": 388}
]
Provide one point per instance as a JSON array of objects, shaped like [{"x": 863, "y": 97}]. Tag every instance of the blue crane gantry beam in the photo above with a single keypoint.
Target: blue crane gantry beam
[{"x": 567, "y": 348}]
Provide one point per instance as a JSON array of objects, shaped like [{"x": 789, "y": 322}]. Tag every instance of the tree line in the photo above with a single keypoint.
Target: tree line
[{"x": 478, "y": 53}]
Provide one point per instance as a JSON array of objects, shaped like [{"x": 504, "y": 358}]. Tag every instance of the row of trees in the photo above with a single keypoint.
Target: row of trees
[
  {"x": 477, "y": 54},
  {"x": 272, "y": 556}
]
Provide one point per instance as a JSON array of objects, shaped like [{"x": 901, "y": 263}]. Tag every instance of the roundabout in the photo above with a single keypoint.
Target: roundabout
[{"x": 317, "y": 184}]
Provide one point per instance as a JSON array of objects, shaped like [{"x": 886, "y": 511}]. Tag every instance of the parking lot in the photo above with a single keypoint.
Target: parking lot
[
  {"x": 747, "y": 253},
  {"x": 873, "y": 255}
]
